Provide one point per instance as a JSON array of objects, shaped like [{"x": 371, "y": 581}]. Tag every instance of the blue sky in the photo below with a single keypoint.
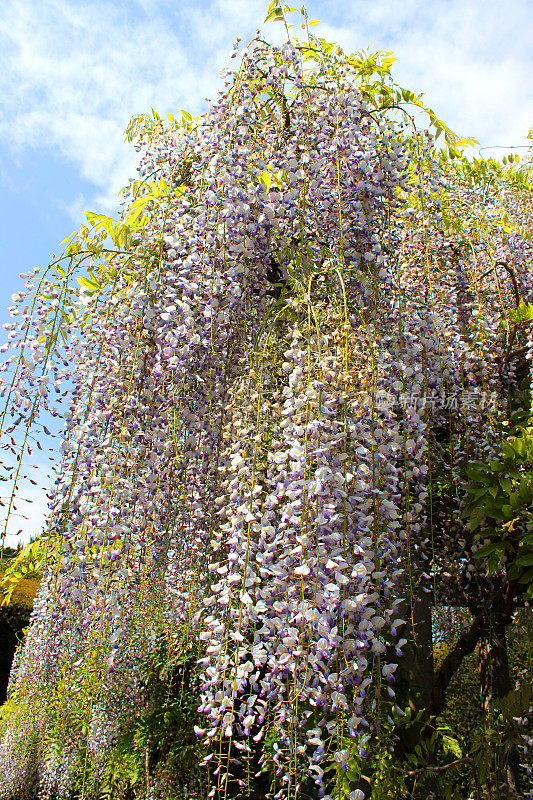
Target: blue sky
[{"x": 72, "y": 74}]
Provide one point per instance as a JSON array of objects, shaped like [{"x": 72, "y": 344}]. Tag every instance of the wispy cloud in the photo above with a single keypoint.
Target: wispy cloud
[
  {"x": 72, "y": 73},
  {"x": 471, "y": 58}
]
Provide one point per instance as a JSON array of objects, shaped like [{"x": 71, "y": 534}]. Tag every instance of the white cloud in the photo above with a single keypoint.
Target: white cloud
[
  {"x": 471, "y": 58},
  {"x": 71, "y": 76},
  {"x": 72, "y": 72}
]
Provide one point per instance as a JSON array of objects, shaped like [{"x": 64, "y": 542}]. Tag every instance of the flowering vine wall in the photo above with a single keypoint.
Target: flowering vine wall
[{"x": 244, "y": 489}]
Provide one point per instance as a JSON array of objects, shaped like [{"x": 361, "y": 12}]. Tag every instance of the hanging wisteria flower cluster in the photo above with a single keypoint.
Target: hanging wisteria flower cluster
[{"x": 255, "y": 381}]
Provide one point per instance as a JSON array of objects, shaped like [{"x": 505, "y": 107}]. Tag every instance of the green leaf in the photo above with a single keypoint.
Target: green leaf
[
  {"x": 87, "y": 284},
  {"x": 478, "y": 471},
  {"x": 523, "y": 313},
  {"x": 506, "y": 484},
  {"x": 266, "y": 178},
  {"x": 488, "y": 549},
  {"x": 525, "y": 561},
  {"x": 527, "y": 577},
  {"x": 186, "y": 114},
  {"x": 493, "y": 562},
  {"x": 451, "y": 745},
  {"x": 136, "y": 208},
  {"x": 514, "y": 572},
  {"x": 101, "y": 221},
  {"x": 476, "y": 517},
  {"x": 476, "y": 495},
  {"x": 70, "y": 238},
  {"x": 508, "y": 510},
  {"x": 29, "y": 559}
]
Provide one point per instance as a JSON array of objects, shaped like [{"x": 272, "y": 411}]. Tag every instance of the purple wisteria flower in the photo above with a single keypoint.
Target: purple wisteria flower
[{"x": 243, "y": 494}]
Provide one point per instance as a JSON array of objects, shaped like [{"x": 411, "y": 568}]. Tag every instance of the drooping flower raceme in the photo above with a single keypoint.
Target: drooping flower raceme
[{"x": 256, "y": 384}]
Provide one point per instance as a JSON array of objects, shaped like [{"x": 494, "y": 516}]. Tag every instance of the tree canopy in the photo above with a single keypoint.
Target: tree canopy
[{"x": 293, "y": 387}]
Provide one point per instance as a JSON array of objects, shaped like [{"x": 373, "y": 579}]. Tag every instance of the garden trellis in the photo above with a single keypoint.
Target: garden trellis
[{"x": 301, "y": 295}]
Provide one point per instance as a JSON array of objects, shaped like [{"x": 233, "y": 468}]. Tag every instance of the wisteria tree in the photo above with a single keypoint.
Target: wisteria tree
[{"x": 292, "y": 384}]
